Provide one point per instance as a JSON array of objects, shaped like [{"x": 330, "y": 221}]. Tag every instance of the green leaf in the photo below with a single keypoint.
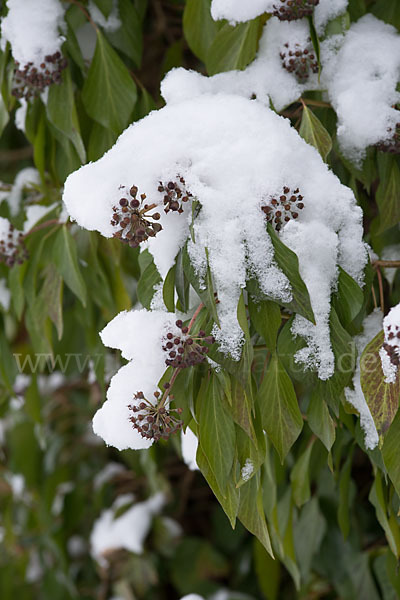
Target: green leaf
[
  {"x": 61, "y": 112},
  {"x": 206, "y": 292},
  {"x": 348, "y": 299},
  {"x": 8, "y": 365},
  {"x": 382, "y": 398},
  {"x": 390, "y": 452},
  {"x": 268, "y": 571},
  {"x": 15, "y": 279},
  {"x": 300, "y": 476},
  {"x": 105, "y": 6},
  {"x": 65, "y": 259},
  {"x": 252, "y": 516},
  {"x": 217, "y": 432},
  {"x": 319, "y": 419},
  {"x": 128, "y": 37},
  {"x": 388, "y": 193},
  {"x": 169, "y": 290},
  {"x": 230, "y": 500},
  {"x": 344, "y": 495},
  {"x": 289, "y": 263},
  {"x": 266, "y": 318},
  {"x": 52, "y": 295},
  {"x": 233, "y": 47},
  {"x": 199, "y": 37},
  {"x": 387, "y": 10},
  {"x": 149, "y": 280},
  {"x": 4, "y": 117},
  {"x": 109, "y": 93},
  {"x": 314, "y": 133},
  {"x": 101, "y": 139},
  {"x": 281, "y": 416},
  {"x": 385, "y": 515}
]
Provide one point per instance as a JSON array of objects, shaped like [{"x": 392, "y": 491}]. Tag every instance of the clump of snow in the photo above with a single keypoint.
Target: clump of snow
[
  {"x": 25, "y": 179},
  {"x": 111, "y": 23},
  {"x": 247, "y": 469},
  {"x": 234, "y": 154},
  {"x": 265, "y": 78},
  {"x": 239, "y": 10},
  {"x": 32, "y": 28},
  {"x": 5, "y": 295},
  {"x": 371, "y": 326},
  {"x": 327, "y": 10},
  {"x": 192, "y": 597},
  {"x": 390, "y": 351},
  {"x": 189, "y": 445},
  {"x": 361, "y": 71},
  {"x": 139, "y": 335},
  {"x": 107, "y": 473},
  {"x": 127, "y": 531},
  {"x": 20, "y": 115},
  {"x": 35, "y": 213}
]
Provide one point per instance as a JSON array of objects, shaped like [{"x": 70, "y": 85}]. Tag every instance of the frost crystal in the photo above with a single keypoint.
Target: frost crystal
[
  {"x": 247, "y": 469},
  {"x": 390, "y": 351},
  {"x": 371, "y": 325}
]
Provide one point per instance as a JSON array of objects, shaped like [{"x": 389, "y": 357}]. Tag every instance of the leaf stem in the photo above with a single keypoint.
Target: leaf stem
[{"x": 387, "y": 264}]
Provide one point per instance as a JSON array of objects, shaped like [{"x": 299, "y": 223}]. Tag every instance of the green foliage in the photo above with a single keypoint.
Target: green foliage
[{"x": 287, "y": 503}]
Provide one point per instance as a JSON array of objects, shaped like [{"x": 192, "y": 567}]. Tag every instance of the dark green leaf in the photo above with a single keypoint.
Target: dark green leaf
[
  {"x": 253, "y": 517},
  {"x": 206, "y": 293},
  {"x": 300, "y": 476},
  {"x": 149, "y": 280},
  {"x": 128, "y": 37},
  {"x": 319, "y": 419},
  {"x": 385, "y": 515},
  {"x": 233, "y": 47},
  {"x": 198, "y": 37},
  {"x": 266, "y": 318},
  {"x": 344, "y": 495},
  {"x": 109, "y": 93},
  {"x": 169, "y": 290},
  {"x": 388, "y": 193},
  {"x": 268, "y": 571},
  {"x": 348, "y": 299},
  {"x": 390, "y": 452},
  {"x": 281, "y": 416},
  {"x": 66, "y": 260}
]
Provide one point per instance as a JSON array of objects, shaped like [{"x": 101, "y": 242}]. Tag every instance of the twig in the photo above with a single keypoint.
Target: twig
[
  {"x": 380, "y": 283},
  {"x": 374, "y": 296},
  {"x": 42, "y": 226},
  {"x": 319, "y": 103},
  {"x": 85, "y": 12},
  {"x": 196, "y": 314},
  {"x": 387, "y": 264},
  {"x": 16, "y": 155}
]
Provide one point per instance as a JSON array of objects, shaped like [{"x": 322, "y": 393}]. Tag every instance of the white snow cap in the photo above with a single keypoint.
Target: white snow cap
[
  {"x": 371, "y": 325},
  {"x": 5, "y": 295},
  {"x": 192, "y": 597},
  {"x": 361, "y": 78},
  {"x": 189, "y": 445},
  {"x": 127, "y": 531},
  {"x": 390, "y": 352},
  {"x": 32, "y": 28},
  {"x": 245, "y": 10},
  {"x": 139, "y": 335},
  {"x": 235, "y": 154}
]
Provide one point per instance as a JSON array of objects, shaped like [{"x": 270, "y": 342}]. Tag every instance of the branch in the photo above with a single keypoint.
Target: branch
[{"x": 387, "y": 264}]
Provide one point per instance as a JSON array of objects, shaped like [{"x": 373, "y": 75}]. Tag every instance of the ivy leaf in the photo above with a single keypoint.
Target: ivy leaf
[
  {"x": 109, "y": 93},
  {"x": 52, "y": 295},
  {"x": 281, "y": 416},
  {"x": 266, "y": 318},
  {"x": 343, "y": 512},
  {"x": 169, "y": 290},
  {"x": 314, "y": 133},
  {"x": 385, "y": 515},
  {"x": 65, "y": 258},
  {"x": 147, "y": 283},
  {"x": 206, "y": 293},
  {"x": 252, "y": 514},
  {"x": 289, "y": 263},
  {"x": 300, "y": 476},
  {"x": 382, "y": 398},
  {"x": 105, "y": 6},
  {"x": 217, "y": 433},
  {"x": 388, "y": 193},
  {"x": 62, "y": 113},
  {"x": 349, "y": 298},
  {"x": 390, "y": 452},
  {"x": 233, "y": 47},
  {"x": 319, "y": 419},
  {"x": 128, "y": 37},
  {"x": 199, "y": 38}
]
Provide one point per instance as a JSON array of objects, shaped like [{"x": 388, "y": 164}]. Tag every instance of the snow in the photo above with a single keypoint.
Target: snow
[
  {"x": 390, "y": 351},
  {"x": 139, "y": 335},
  {"x": 26, "y": 178},
  {"x": 32, "y": 28},
  {"x": 35, "y": 213},
  {"x": 111, "y": 23},
  {"x": 192, "y": 597},
  {"x": 5, "y": 295},
  {"x": 235, "y": 155},
  {"x": 240, "y": 10},
  {"x": 361, "y": 71},
  {"x": 189, "y": 445},
  {"x": 247, "y": 469},
  {"x": 20, "y": 115},
  {"x": 127, "y": 531},
  {"x": 327, "y": 10},
  {"x": 371, "y": 326},
  {"x": 107, "y": 473},
  {"x": 265, "y": 77}
]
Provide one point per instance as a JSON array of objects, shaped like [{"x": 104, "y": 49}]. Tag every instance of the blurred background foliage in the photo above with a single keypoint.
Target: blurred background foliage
[{"x": 336, "y": 514}]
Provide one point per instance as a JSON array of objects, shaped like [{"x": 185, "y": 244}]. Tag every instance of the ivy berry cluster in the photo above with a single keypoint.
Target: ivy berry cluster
[
  {"x": 300, "y": 61},
  {"x": 282, "y": 209},
  {"x": 30, "y": 80},
  {"x": 153, "y": 420},
  {"x": 290, "y": 10},
  {"x": 186, "y": 350},
  {"x": 131, "y": 218},
  {"x": 12, "y": 249}
]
